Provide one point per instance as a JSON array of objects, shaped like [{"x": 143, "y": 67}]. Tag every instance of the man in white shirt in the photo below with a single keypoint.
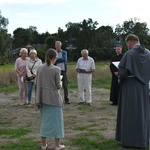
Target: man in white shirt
[{"x": 85, "y": 66}]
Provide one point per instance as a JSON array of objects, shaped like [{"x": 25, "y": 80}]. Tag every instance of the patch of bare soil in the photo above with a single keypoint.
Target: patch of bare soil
[{"x": 100, "y": 117}]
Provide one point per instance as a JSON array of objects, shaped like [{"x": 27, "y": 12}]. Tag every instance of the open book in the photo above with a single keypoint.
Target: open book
[
  {"x": 61, "y": 77},
  {"x": 116, "y": 64},
  {"x": 82, "y": 70}
]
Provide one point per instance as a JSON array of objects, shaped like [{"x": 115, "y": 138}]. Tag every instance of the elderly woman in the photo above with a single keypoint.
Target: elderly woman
[
  {"x": 20, "y": 67},
  {"x": 48, "y": 84},
  {"x": 31, "y": 67}
]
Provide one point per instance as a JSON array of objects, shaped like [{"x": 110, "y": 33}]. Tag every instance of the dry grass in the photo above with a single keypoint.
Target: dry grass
[
  {"x": 8, "y": 77},
  {"x": 101, "y": 77}
]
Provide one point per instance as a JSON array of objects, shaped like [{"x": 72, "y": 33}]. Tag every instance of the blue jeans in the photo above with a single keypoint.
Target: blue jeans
[{"x": 30, "y": 87}]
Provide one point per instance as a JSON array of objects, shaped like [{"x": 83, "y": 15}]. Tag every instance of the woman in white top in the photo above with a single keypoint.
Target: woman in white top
[{"x": 31, "y": 67}]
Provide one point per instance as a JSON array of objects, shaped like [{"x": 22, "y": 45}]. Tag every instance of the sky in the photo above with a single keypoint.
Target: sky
[{"x": 49, "y": 15}]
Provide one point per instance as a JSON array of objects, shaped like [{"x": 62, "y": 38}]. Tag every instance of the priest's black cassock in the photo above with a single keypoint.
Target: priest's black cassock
[
  {"x": 133, "y": 118},
  {"x": 114, "y": 91}
]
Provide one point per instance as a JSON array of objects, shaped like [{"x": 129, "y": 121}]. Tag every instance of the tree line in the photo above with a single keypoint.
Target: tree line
[{"x": 100, "y": 41}]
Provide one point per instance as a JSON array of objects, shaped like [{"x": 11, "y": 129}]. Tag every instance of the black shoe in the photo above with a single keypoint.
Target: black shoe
[
  {"x": 67, "y": 102},
  {"x": 114, "y": 104},
  {"x": 81, "y": 103},
  {"x": 89, "y": 104}
]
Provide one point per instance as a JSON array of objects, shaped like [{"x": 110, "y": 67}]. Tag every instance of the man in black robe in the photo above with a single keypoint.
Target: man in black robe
[
  {"x": 114, "y": 91},
  {"x": 133, "y": 118}
]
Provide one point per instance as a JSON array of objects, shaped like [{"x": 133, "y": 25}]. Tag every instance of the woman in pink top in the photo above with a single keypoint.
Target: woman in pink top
[{"x": 20, "y": 67}]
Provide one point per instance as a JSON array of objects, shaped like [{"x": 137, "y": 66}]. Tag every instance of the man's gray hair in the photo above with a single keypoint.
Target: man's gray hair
[
  {"x": 85, "y": 50},
  {"x": 58, "y": 42}
]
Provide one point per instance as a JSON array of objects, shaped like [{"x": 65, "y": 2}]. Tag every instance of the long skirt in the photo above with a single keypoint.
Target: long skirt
[{"x": 52, "y": 125}]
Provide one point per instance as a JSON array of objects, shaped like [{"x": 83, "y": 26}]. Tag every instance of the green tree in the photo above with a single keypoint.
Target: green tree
[
  {"x": 87, "y": 34},
  {"x": 22, "y": 37},
  {"x": 103, "y": 43},
  {"x": 50, "y": 41},
  {"x": 134, "y": 26},
  {"x": 80, "y": 36},
  {"x": 5, "y": 40},
  {"x": 35, "y": 35}
]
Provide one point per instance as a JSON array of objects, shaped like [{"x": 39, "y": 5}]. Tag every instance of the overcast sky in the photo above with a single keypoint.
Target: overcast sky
[{"x": 48, "y": 15}]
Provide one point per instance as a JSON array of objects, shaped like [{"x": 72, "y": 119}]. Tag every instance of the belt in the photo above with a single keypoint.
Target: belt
[{"x": 131, "y": 76}]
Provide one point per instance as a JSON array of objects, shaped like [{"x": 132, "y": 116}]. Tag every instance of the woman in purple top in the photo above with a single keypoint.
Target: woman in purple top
[{"x": 20, "y": 67}]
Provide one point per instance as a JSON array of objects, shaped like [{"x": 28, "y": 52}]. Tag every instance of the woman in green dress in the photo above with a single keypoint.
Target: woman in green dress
[{"x": 48, "y": 84}]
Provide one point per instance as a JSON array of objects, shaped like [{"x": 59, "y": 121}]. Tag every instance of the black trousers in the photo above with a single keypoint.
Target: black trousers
[{"x": 65, "y": 85}]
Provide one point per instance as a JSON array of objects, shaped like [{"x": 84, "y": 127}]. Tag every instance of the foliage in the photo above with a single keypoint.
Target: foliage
[
  {"x": 5, "y": 40},
  {"x": 100, "y": 41},
  {"x": 134, "y": 26}
]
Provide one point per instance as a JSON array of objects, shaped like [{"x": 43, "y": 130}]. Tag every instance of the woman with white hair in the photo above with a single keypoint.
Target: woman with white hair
[
  {"x": 20, "y": 67},
  {"x": 31, "y": 67}
]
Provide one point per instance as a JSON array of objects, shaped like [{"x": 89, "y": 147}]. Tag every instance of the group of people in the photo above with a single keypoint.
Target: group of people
[
  {"x": 26, "y": 67},
  {"x": 48, "y": 78},
  {"x": 129, "y": 90}
]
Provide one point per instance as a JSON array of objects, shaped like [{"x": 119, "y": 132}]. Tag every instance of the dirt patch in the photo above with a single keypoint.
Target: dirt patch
[{"x": 100, "y": 117}]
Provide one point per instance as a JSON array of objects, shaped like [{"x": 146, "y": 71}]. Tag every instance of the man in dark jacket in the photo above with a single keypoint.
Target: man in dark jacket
[
  {"x": 114, "y": 92},
  {"x": 61, "y": 63}
]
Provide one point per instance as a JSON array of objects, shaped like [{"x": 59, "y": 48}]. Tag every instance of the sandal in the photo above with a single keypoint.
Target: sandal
[
  {"x": 60, "y": 147},
  {"x": 44, "y": 147}
]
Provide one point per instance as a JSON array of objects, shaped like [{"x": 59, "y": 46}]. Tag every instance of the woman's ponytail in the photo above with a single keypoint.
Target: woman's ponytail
[
  {"x": 48, "y": 61},
  {"x": 50, "y": 54}
]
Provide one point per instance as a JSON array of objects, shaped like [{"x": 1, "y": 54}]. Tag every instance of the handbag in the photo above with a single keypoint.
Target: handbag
[{"x": 28, "y": 78}]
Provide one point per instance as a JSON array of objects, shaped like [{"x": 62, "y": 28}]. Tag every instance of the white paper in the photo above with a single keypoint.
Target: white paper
[
  {"x": 22, "y": 79},
  {"x": 61, "y": 77},
  {"x": 116, "y": 64}
]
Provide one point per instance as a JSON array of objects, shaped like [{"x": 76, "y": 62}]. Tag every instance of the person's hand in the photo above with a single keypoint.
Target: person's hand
[
  {"x": 78, "y": 70},
  {"x": 116, "y": 73},
  {"x": 88, "y": 71},
  {"x": 34, "y": 75},
  {"x": 20, "y": 74},
  {"x": 31, "y": 77}
]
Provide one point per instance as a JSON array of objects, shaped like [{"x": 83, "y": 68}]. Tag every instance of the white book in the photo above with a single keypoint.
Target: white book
[
  {"x": 116, "y": 63},
  {"x": 61, "y": 77},
  {"x": 22, "y": 79}
]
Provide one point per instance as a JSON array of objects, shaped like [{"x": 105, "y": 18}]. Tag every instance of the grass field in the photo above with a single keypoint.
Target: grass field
[
  {"x": 86, "y": 127},
  {"x": 6, "y": 67}
]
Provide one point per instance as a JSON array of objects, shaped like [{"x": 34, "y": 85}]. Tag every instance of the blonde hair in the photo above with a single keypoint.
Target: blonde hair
[
  {"x": 33, "y": 51},
  {"x": 23, "y": 50}
]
